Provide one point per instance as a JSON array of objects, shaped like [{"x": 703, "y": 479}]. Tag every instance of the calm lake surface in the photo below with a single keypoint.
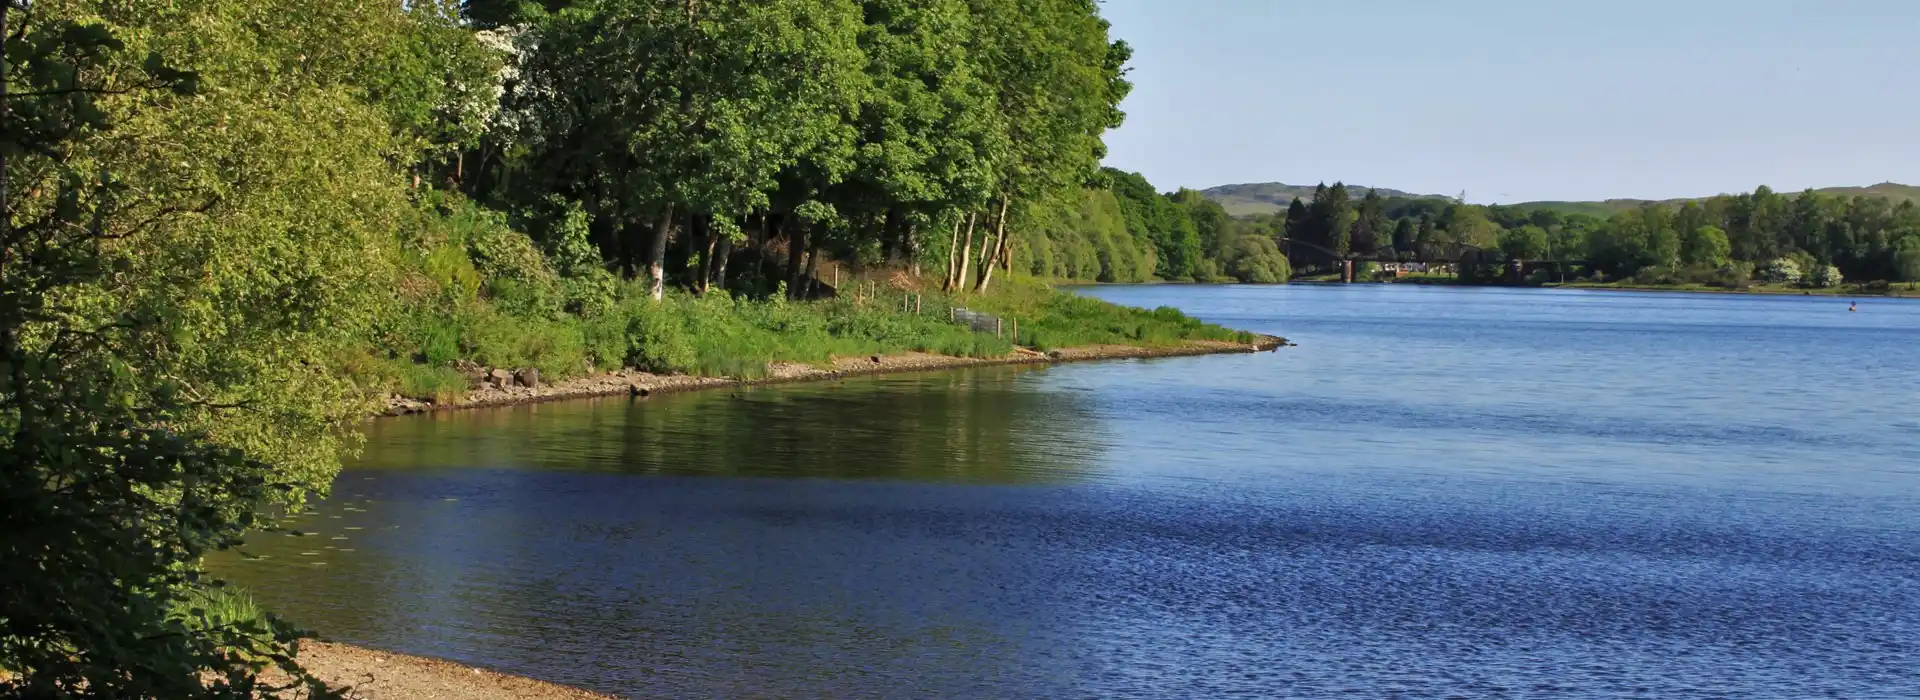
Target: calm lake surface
[{"x": 1440, "y": 493}]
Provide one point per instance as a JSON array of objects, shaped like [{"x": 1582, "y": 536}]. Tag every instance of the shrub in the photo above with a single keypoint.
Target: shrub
[
  {"x": 656, "y": 340},
  {"x": 1781, "y": 271},
  {"x": 1824, "y": 276},
  {"x": 1733, "y": 276}
]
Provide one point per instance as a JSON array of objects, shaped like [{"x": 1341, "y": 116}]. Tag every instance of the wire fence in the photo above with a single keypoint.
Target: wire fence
[
  {"x": 979, "y": 322},
  {"x": 912, "y": 302}
]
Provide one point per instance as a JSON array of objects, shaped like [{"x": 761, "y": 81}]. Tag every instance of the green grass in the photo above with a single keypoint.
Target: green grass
[
  {"x": 718, "y": 335},
  {"x": 475, "y": 292},
  {"x": 1049, "y": 319},
  {"x": 722, "y": 336},
  {"x": 225, "y": 607},
  {"x": 714, "y": 335}
]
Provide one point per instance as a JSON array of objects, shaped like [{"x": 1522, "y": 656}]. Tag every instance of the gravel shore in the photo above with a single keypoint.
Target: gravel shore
[{"x": 377, "y": 675}]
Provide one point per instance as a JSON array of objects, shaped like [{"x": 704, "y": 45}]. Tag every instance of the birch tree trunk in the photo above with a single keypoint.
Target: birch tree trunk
[
  {"x": 999, "y": 248},
  {"x": 953, "y": 255},
  {"x": 706, "y": 258},
  {"x": 657, "y": 255},
  {"x": 966, "y": 258}
]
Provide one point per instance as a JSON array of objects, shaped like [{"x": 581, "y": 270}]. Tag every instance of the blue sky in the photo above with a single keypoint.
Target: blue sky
[{"x": 1516, "y": 100}]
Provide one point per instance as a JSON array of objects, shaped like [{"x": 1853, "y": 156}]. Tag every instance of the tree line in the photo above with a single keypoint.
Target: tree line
[
  {"x": 916, "y": 132},
  {"x": 1810, "y": 237}
]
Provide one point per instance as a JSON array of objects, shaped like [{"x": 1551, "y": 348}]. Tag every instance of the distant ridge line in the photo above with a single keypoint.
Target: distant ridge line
[{"x": 1271, "y": 197}]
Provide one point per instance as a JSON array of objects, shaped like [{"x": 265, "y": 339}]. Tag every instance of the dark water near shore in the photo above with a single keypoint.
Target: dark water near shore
[{"x": 1440, "y": 493}]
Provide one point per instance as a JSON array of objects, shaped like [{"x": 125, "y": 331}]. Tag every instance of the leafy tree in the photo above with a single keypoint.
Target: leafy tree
[
  {"x": 1256, "y": 259},
  {"x": 1404, "y": 235},
  {"x": 173, "y": 298},
  {"x": 1468, "y": 228},
  {"x": 1528, "y": 242},
  {"x": 737, "y": 95},
  {"x": 1372, "y": 230},
  {"x": 1059, "y": 80},
  {"x": 1210, "y": 222},
  {"x": 1295, "y": 223},
  {"x": 1706, "y": 246},
  {"x": 1907, "y": 259},
  {"x": 1428, "y": 242},
  {"x": 1329, "y": 226}
]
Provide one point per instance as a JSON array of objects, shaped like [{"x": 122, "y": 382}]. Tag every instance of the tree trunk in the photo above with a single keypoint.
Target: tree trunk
[
  {"x": 953, "y": 255},
  {"x": 719, "y": 277},
  {"x": 813, "y": 266},
  {"x": 912, "y": 245},
  {"x": 999, "y": 248},
  {"x": 706, "y": 258},
  {"x": 966, "y": 258},
  {"x": 657, "y": 264},
  {"x": 891, "y": 242},
  {"x": 6, "y": 192},
  {"x": 796, "y": 250},
  {"x": 689, "y": 249}
]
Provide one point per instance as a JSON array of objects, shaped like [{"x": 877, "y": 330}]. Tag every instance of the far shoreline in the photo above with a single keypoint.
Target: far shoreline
[{"x": 1834, "y": 292}]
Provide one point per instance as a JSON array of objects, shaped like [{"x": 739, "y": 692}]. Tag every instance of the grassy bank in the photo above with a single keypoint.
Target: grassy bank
[{"x": 475, "y": 293}]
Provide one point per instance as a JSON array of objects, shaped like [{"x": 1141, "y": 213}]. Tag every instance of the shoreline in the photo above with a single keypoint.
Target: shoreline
[
  {"x": 372, "y": 674},
  {"x": 1837, "y": 292},
  {"x": 631, "y": 382}
]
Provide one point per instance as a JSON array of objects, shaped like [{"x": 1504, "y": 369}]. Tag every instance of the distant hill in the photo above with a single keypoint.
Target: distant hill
[
  {"x": 1270, "y": 197},
  {"x": 1267, "y": 198},
  {"x": 1890, "y": 190}
]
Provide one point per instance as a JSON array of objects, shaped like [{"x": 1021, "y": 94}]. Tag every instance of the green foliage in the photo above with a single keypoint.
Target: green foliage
[
  {"x": 167, "y": 344},
  {"x": 1907, "y": 259},
  {"x": 1705, "y": 245},
  {"x": 1524, "y": 243},
  {"x": 1824, "y": 276},
  {"x": 1256, "y": 259},
  {"x": 1782, "y": 271},
  {"x": 1050, "y": 319},
  {"x": 717, "y": 335}
]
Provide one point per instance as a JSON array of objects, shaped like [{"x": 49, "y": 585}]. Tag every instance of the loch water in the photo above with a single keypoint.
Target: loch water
[{"x": 1440, "y": 492}]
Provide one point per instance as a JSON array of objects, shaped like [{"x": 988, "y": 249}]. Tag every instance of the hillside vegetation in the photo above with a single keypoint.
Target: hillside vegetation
[
  {"x": 1273, "y": 197},
  {"x": 1891, "y": 191}
]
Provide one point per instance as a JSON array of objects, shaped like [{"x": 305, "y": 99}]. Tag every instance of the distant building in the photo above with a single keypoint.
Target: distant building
[{"x": 1402, "y": 269}]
